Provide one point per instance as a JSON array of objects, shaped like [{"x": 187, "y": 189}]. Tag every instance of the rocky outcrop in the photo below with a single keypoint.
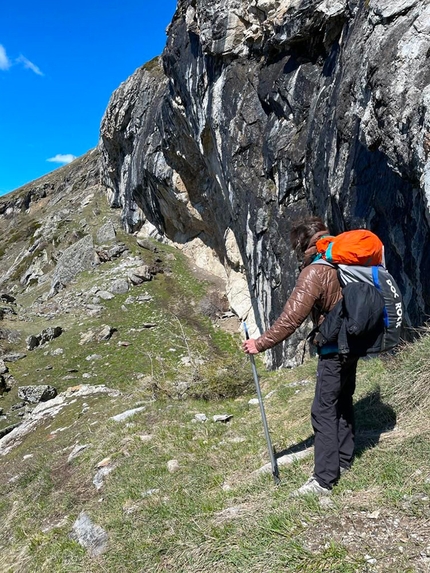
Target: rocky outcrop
[
  {"x": 261, "y": 111},
  {"x": 81, "y": 174},
  {"x": 36, "y": 394},
  {"x": 34, "y": 220},
  {"x": 77, "y": 258},
  {"x": 33, "y": 341}
]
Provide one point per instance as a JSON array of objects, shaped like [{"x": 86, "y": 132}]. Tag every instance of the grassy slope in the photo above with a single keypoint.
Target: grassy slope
[{"x": 212, "y": 514}]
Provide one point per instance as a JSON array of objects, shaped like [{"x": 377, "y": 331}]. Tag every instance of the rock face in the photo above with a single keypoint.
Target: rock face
[
  {"x": 36, "y": 394},
  {"x": 261, "y": 111},
  {"x": 77, "y": 258},
  {"x": 36, "y": 215},
  {"x": 33, "y": 341}
]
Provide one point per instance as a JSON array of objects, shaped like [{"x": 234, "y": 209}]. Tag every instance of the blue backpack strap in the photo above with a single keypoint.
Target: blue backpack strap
[
  {"x": 375, "y": 277},
  {"x": 328, "y": 254}
]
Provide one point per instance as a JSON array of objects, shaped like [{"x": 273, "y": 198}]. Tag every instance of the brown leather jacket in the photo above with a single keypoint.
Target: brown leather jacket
[{"x": 316, "y": 292}]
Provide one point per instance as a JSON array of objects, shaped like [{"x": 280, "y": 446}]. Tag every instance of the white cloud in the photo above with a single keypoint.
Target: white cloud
[
  {"x": 6, "y": 63},
  {"x": 4, "y": 60},
  {"x": 29, "y": 65},
  {"x": 62, "y": 158}
]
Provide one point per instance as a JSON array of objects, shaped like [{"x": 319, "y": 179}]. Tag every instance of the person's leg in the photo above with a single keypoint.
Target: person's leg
[
  {"x": 325, "y": 420},
  {"x": 346, "y": 432}
]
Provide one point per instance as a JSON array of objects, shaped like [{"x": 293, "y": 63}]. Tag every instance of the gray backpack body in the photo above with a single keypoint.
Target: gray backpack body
[{"x": 339, "y": 325}]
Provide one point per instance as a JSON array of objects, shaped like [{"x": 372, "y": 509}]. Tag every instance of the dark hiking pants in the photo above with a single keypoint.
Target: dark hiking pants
[{"x": 333, "y": 417}]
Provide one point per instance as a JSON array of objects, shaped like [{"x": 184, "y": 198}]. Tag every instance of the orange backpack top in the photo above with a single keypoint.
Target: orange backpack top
[{"x": 359, "y": 247}]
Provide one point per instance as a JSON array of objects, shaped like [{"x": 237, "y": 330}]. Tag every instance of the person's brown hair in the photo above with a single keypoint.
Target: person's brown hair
[{"x": 302, "y": 232}]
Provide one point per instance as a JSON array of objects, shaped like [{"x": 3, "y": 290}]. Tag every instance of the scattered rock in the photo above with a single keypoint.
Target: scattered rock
[
  {"x": 5, "y": 310},
  {"x": 285, "y": 461},
  {"x": 103, "y": 255},
  {"x": 120, "y": 286},
  {"x": 3, "y": 386},
  {"x": 12, "y": 436},
  {"x": 4, "y": 297},
  {"x": 139, "y": 275},
  {"x": 222, "y": 418},
  {"x": 106, "y": 233},
  {"x": 326, "y": 502},
  {"x": 11, "y": 336},
  {"x": 201, "y": 417},
  {"x": 33, "y": 341},
  {"x": 146, "y": 244},
  {"x": 104, "y": 471},
  {"x": 144, "y": 298},
  {"x": 117, "y": 250},
  {"x": 150, "y": 492},
  {"x": 105, "y": 295},
  {"x": 57, "y": 352},
  {"x": 102, "y": 334},
  {"x": 127, "y": 414},
  {"x": 94, "y": 309},
  {"x": 93, "y": 537},
  {"x": 93, "y": 357},
  {"x": 172, "y": 466},
  {"x": 299, "y": 383},
  {"x": 36, "y": 394},
  {"x": 77, "y": 450},
  {"x": 13, "y": 357},
  {"x": 3, "y": 368}
]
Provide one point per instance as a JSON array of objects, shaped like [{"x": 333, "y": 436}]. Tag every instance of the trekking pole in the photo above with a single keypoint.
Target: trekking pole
[{"x": 273, "y": 462}]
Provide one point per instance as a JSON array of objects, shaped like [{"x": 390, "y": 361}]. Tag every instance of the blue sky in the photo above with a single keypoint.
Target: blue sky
[{"x": 59, "y": 64}]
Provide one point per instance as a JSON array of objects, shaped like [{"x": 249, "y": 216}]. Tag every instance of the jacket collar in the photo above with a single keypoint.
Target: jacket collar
[{"x": 311, "y": 251}]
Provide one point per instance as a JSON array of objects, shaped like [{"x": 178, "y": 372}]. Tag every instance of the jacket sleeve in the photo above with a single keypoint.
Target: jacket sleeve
[{"x": 307, "y": 291}]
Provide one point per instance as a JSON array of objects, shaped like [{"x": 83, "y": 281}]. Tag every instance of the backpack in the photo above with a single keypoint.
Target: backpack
[
  {"x": 358, "y": 247},
  {"x": 369, "y": 317}
]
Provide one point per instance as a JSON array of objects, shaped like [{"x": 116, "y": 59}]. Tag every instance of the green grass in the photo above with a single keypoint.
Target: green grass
[
  {"x": 213, "y": 513},
  {"x": 183, "y": 525}
]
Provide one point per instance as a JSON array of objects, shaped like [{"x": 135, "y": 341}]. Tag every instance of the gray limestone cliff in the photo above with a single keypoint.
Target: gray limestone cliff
[{"x": 260, "y": 111}]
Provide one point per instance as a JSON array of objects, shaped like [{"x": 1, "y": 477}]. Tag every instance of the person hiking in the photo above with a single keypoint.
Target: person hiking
[{"x": 315, "y": 294}]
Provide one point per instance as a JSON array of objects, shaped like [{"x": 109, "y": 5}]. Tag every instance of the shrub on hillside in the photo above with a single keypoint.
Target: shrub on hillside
[{"x": 214, "y": 381}]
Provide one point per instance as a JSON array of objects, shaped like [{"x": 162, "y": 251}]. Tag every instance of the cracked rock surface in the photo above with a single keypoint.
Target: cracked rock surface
[{"x": 258, "y": 112}]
